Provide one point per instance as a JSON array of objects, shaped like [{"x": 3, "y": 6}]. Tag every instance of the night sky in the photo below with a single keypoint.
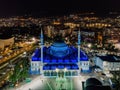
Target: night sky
[{"x": 54, "y": 7}]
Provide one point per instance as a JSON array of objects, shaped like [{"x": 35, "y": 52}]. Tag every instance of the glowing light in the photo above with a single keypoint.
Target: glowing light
[
  {"x": 57, "y": 70},
  {"x": 33, "y": 39},
  {"x": 89, "y": 45},
  {"x": 65, "y": 69}
]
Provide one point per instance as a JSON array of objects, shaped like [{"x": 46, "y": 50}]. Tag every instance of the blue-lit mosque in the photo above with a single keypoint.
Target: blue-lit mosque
[{"x": 59, "y": 59}]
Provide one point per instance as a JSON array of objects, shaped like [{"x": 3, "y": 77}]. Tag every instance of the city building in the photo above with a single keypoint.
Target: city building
[
  {"x": 49, "y": 30},
  {"x": 6, "y": 42},
  {"x": 108, "y": 62},
  {"x": 59, "y": 59}
]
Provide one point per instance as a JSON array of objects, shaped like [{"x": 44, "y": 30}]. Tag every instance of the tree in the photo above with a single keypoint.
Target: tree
[
  {"x": 116, "y": 79},
  {"x": 20, "y": 71}
]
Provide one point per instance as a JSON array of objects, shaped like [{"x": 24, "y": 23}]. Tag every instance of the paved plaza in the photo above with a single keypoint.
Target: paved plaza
[{"x": 45, "y": 83}]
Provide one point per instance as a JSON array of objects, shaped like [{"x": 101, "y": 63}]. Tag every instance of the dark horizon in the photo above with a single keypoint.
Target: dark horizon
[{"x": 56, "y": 7}]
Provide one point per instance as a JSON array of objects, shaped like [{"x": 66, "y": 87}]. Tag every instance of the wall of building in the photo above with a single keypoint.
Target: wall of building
[
  {"x": 35, "y": 67},
  {"x": 85, "y": 65},
  {"x": 99, "y": 62},
  {"x": 106, "y": 65},
  {"x": 112, "y": 66}
]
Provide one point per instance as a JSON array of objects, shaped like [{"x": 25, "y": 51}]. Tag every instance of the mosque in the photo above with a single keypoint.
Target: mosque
[{"x": 59, "y": 59}]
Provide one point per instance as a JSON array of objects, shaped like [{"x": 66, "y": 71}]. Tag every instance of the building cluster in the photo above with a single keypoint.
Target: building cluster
[
  {"x": 20, "y": 21},
  {"x": 96, "y": 29},
  {"x": 107, "y": 63},
  {"x": 89, "y": 21}
]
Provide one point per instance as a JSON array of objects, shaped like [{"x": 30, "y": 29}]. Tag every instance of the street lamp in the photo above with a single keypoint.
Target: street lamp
[
  {"x": 65, "y": 69},
  {"x": 89, "y": 45},
  {"x": 33, "y": 39},
  {"x": 21, "y": 66},
  {"x": 57, "y": 71}
]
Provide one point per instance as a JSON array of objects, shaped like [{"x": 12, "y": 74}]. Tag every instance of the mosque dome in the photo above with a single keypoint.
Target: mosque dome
[
  {"x": 93, "y": 82},
  {"x": 59, "y": 49}
]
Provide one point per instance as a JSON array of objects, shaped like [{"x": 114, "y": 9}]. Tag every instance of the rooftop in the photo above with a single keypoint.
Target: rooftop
[
  {"x": 110, "y": 58},
  {"x": 59, "y": 52}
]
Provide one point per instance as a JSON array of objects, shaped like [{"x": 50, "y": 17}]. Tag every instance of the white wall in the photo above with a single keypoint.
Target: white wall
[
  {"x": 85, "y": 65},
  {"x": 35, "y": 65},
  {"x": 105, "y": 65},
  {"x": 99, "y": 62}
]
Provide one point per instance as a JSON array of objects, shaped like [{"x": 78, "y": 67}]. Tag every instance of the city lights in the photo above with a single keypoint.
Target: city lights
[{"x": 57, "y": 48}]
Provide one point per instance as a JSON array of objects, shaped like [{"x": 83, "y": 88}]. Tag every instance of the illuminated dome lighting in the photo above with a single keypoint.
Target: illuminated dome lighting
[
  {"x": 59, "y": 53},
  {"x": 59, "y": 49}
]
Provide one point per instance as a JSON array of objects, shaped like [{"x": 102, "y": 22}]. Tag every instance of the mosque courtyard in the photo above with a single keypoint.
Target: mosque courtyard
[{"x": 60, "y": 83}]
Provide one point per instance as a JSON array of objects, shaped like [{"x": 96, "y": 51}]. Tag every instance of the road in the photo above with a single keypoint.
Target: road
[{"x": 5, "y": 68}]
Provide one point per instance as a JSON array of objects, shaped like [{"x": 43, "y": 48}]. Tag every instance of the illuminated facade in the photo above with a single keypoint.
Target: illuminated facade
[
  {"x": 108, "y": 62},
  {"x": 59, "y": 59}
]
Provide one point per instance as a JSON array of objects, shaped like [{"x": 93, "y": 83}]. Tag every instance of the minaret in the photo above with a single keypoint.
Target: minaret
[
  {"x": 42, "y": 45},
  {"x": 79, "y": 40}
]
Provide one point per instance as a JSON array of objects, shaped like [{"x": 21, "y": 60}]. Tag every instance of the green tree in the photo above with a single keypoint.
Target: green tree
[
  {"x": 116, "y": 79},
  {"x": 20, "y": 71}
]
